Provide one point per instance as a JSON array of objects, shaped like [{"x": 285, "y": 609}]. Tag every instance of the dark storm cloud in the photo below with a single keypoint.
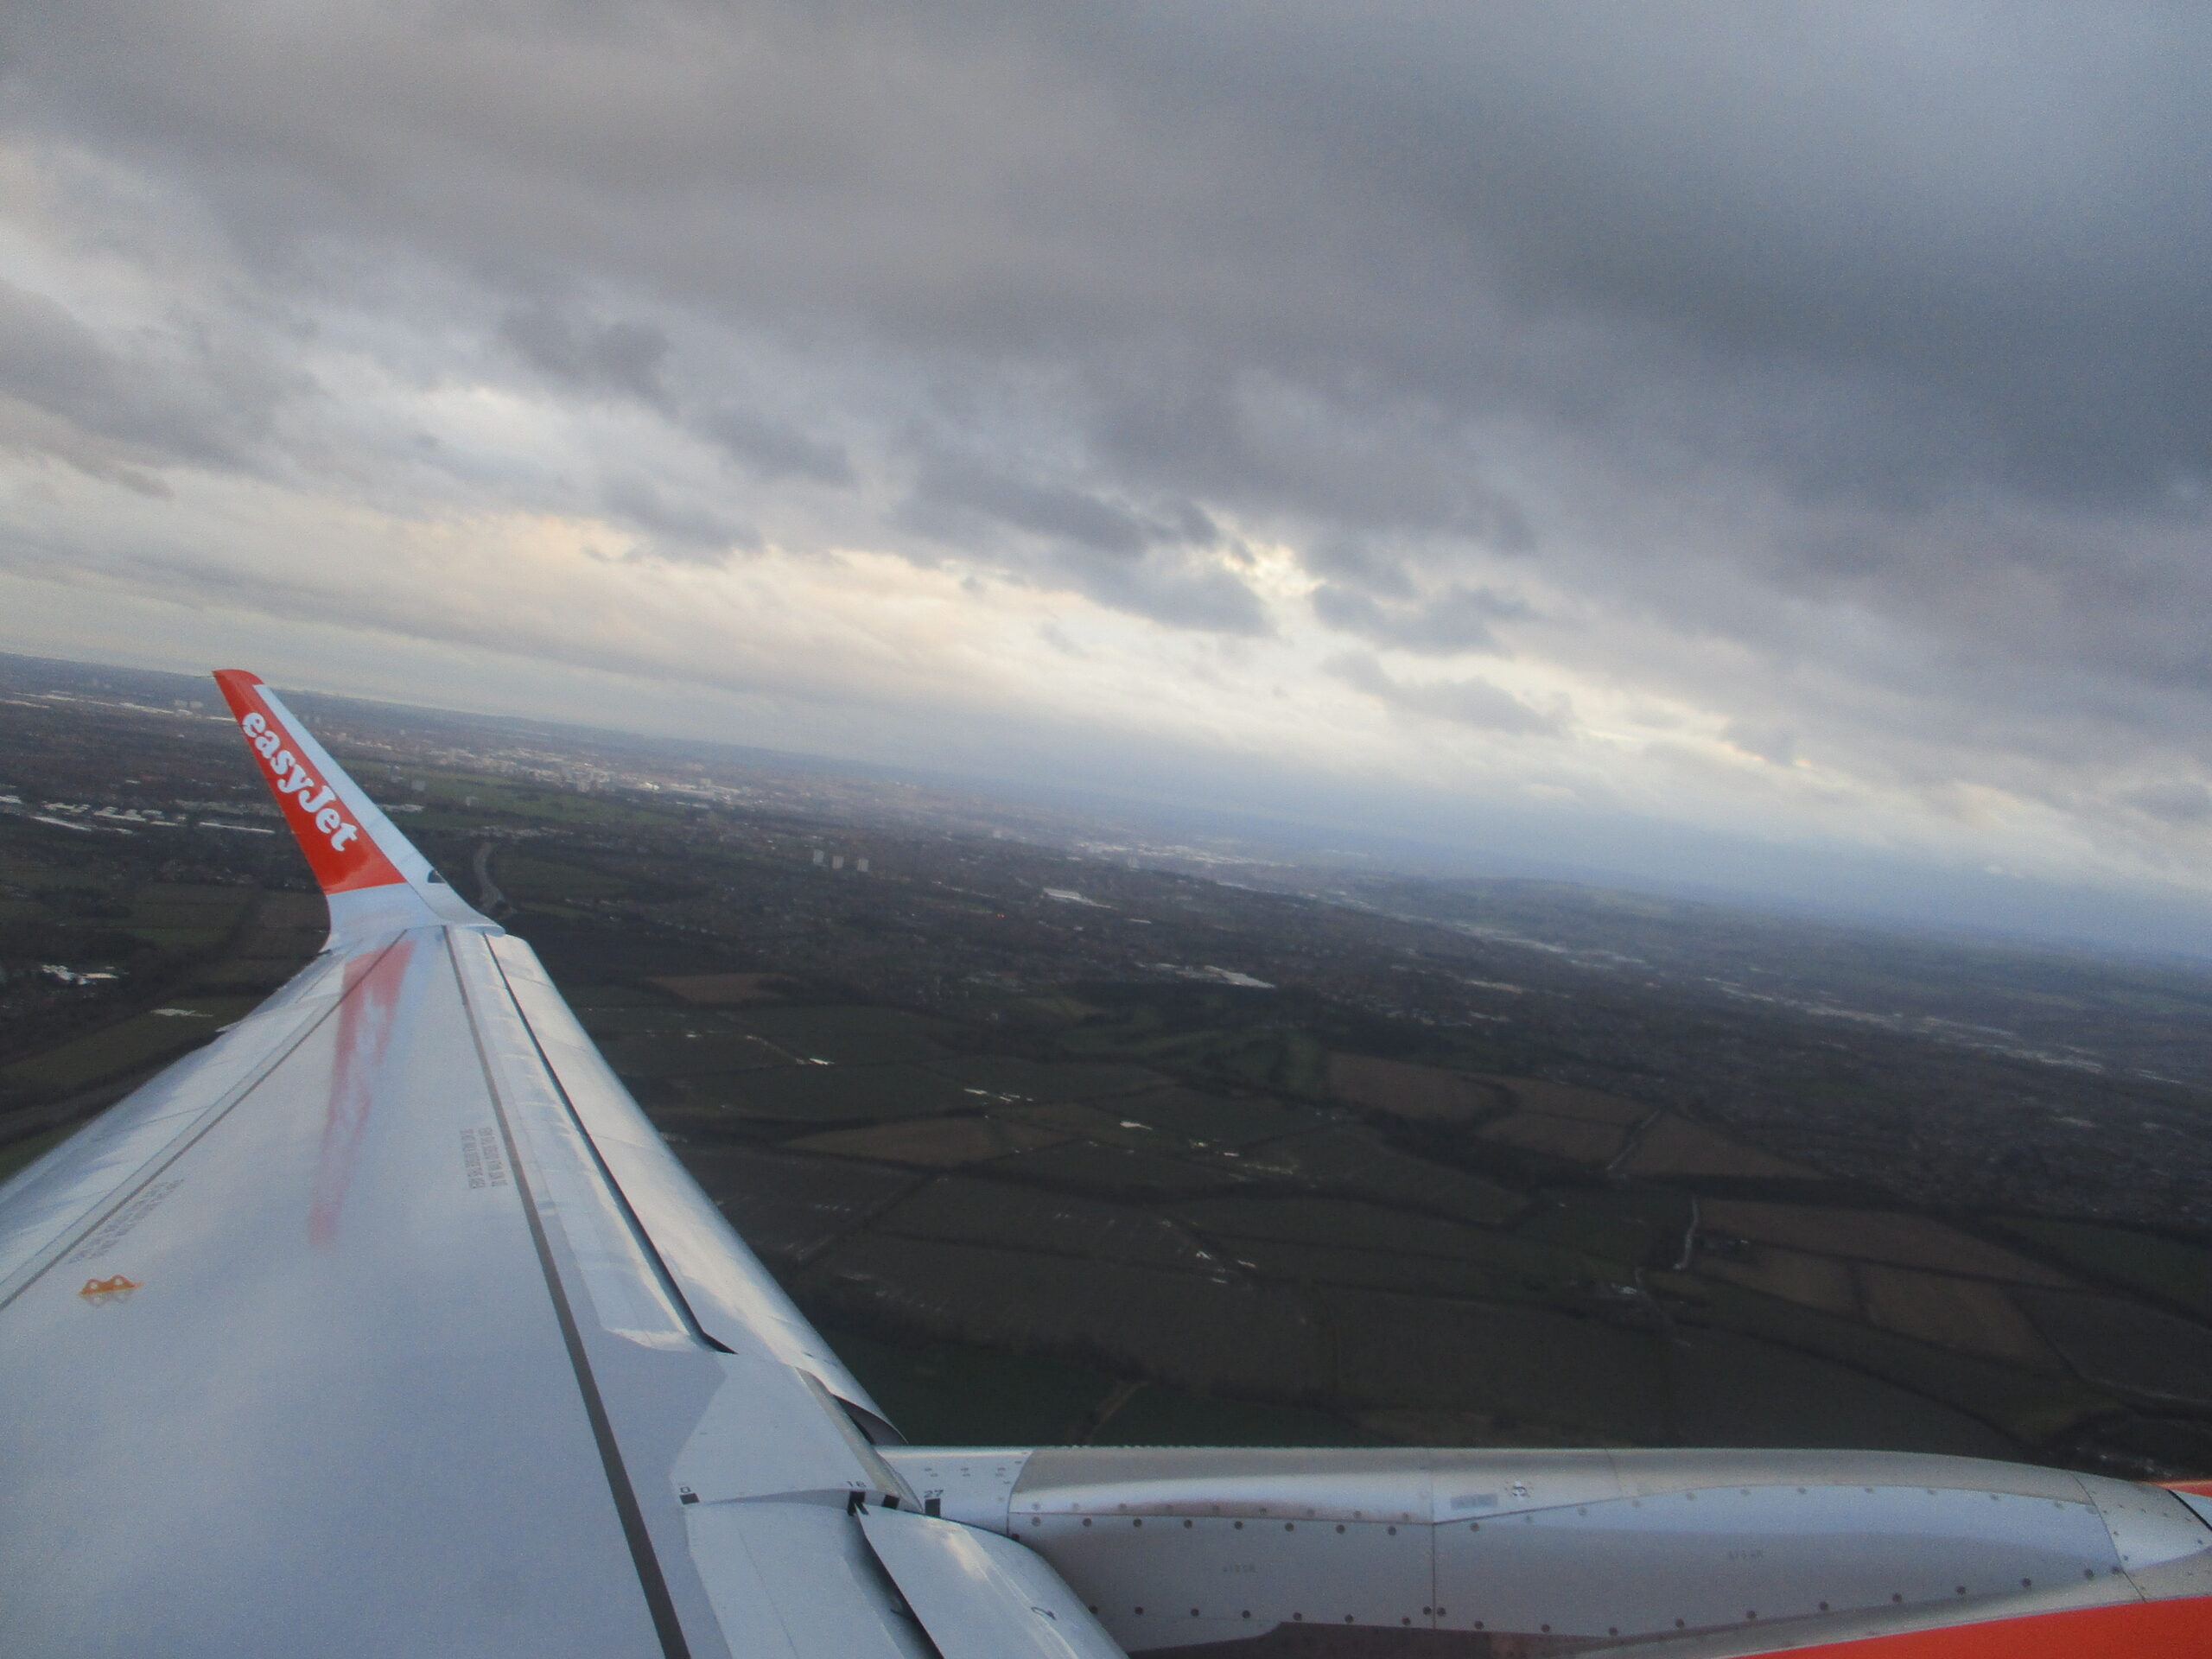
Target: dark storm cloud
[
  {"x": 1984, "y": 226},
  {"x": 1893, "y": 247}
]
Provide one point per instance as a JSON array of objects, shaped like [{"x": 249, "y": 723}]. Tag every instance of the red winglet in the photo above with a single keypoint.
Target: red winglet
[{"x": 342, "y": 854}]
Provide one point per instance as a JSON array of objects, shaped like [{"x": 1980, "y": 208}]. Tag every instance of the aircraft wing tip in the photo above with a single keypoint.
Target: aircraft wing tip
[{"x": 348, "y": 843}]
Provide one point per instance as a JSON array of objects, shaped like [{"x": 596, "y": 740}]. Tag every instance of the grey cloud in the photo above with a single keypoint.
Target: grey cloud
[
  {"x": 684, "y": 531},
  {"x": 1042, "y": 510},
  {"x": 1168, "y": 568},
  {"x": 775, "y": 450},
  {"x": 50, "y": 360},
  {"x": 1357, "y": 565},
  {"x": 1457, "y": 619},
  {"x": 1358, "y": 462},
  {"x": 1789, "y": 207},
  {"x": 2180, "y": 801},
  {"x": 1475, "y": 703},
  {"x": 1166, "y": 584},
  {"x": 1771, "y": 743},
  {"x": 623, "y": 359},
  {"x": 1845, "y": 368},
  {"x": 116, "y": 406}
]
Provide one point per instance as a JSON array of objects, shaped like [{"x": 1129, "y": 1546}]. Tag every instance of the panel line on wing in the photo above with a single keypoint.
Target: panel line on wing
[
  {"x": 651, "y": 1579},
  {"x": 159, "y": 1162},
  {"x": 637, "y": 1232}
]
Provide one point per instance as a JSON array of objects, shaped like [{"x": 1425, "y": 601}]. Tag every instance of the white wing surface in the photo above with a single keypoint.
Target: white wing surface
[{"x": 385, "y": 1324}]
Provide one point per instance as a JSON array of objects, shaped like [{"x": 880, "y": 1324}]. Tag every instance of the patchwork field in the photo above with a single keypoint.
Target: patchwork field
[{"x": 1401, "y": 1252}]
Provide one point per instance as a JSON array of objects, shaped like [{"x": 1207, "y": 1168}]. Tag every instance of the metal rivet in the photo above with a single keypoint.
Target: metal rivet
[
  {"x": 1751, "y": 1613},
  {"x": 1962, "y": 1589},
  {"x": 1347, "y": 1618},
  {"x": 1405, "y": 1621},
  {"x": 1678, "y": 1623},
  {"x": 1546, "y": 1629},
  {"x": 1340, "y": 1526},
  {"x": 1086, "y": 1520},
  {"x": 1240, "y": 1525},
  {"x": 1136, "y": 1523},
  {"x": 1036, "y": 1521},
  {"x": 1140, "y": 1610},
  {"x": 1824, "y": 1606},
  {"x": 1194, "y": 1612},
  {"x": 1393, "y": 1532},
  {"x": 2024, "y": 1583},
  {"x": 1186, "y": 1526},
  {"x": 1247, "y": 1613},
  {"x": 1301, "y": 1616},
  {"x": 1895, "y": 1596},
  {"x": 1474, "y": 1526},
  {"x": 1290, "y": 1526}
]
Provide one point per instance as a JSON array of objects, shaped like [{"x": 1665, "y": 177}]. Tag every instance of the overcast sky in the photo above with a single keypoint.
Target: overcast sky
[{"x": 1737, "y": 442}]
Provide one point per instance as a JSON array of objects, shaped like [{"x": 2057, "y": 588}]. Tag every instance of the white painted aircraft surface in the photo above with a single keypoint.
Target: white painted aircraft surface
[{"x": 386, "y": 1325}]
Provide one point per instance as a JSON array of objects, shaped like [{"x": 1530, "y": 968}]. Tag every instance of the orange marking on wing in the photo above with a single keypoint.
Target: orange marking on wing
[
  {"x": 108, "y": 1290},
  {"x": 2181, "y": 1628},
  {"x": 367, "y": 1015}
]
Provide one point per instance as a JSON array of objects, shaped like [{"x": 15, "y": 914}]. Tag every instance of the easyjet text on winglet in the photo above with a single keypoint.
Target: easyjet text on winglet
[{"x": 316, "y": 798}]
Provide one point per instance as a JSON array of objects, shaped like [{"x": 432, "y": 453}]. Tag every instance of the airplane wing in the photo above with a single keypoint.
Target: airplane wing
[{"x": 387, "y": 1324}]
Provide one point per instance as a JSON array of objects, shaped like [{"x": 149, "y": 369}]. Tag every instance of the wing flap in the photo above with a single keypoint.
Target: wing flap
[
  {"x": 798, "y": 1581},
  {"x": 729, "y": 1294},
  {"x": 981, "y": 1595}
]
